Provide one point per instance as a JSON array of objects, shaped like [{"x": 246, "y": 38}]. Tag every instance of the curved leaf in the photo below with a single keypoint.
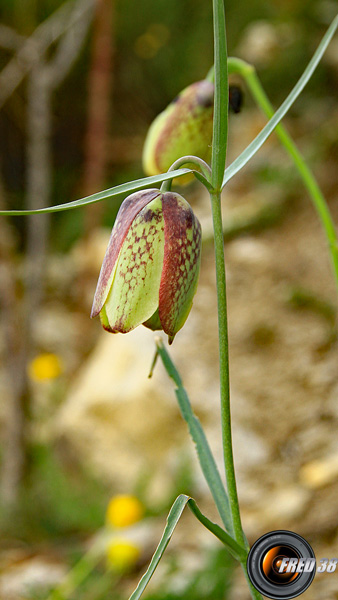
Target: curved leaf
[
  {"x": 252, "y": 148},
  {"x": 174, "y": 515},
  {"x": 205, "y": 456},
  {"x": 124, "y": 188},
  {"x": 172, "y": 520}
]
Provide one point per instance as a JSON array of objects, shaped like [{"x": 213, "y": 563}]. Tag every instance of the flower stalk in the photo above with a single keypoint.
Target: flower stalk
[
  {"x": 224, "y": 369},
  {"x": 219, "y": 148}
]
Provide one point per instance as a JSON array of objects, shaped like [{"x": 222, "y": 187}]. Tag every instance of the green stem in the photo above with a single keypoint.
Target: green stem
[
  {"x": 249, "y": 75},
  {"x": 189, "y": 159},
  {"x": 254, "y": 593},
  {"x": 224, "y": 384},
  {"x": 224, "y": 369},
  {"x": 221, "y": 99},
  {"x": 219, "y": 147}
]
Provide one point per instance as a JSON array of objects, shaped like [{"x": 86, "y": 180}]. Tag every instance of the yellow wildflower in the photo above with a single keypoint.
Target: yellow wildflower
[
  {"x": 122, "y": 554},
  {"x": 44, "y": 367},
  {"x": 124, "y": 510}
]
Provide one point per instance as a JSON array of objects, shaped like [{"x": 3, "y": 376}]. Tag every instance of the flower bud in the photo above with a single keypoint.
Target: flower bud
[
  {"x": 183, "y": 128},
  {"x": 150, "y": 271}
]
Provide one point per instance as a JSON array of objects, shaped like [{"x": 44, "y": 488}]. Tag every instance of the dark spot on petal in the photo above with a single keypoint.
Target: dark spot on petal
[
  {"x": 148, "y": 215},
  {"x": 151, "y": 215},
  {"x": 189, "y": 219}
]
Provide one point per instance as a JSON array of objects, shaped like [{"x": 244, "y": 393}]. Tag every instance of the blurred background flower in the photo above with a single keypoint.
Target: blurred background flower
[
  {"x": 45, "y": 367},
  {"x": 122, "y": 555},
  {"x": 123, "y": 511}
]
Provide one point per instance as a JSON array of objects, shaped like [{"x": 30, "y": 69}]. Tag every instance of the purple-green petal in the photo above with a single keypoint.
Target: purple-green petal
[
  {"x": 181, "y": 264},
  {"x": 130, "y": 207}
]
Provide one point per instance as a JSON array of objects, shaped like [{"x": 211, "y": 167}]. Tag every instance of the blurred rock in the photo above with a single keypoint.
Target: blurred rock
[
  {"x": 259, "y": 43},
  {"x": 119, "y": 421},
  {"x": 319, "y": 473},
  {"x": 33, "y": 575},
  {"x": 60, "y": 330},
  {"x": 88, "y": 253},
  {"x": 250, "y": 251},
  {"x": 262, "y": 41},
  {"x": 281, "y": 507}
]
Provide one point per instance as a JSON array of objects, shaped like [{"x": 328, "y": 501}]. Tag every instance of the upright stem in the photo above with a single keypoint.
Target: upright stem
[
  {"x": 224, "y": 384},
  {"x": 219, "y": 147},
  {"x": 218, "y": 156},
  {"x": 224, "y": 369},
  {"x": 221, "y": 101}
]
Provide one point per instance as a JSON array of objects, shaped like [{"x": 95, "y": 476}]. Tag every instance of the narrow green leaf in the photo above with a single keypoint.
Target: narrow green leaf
[
  {"x": 220, "y": 126},
  {"x": 205, "y": 456},
  {"x": 124, "y": 188},
  {"x": 174, "y": 515},
  {"x": 172, "y": 520},
  {"x": 168, "y": 363},
  {"x": 252, "y": 148},
  {"x": 249, "y": 75},
  {"x": 203, "y": 180},
  {"x": 235, "y": 549}
]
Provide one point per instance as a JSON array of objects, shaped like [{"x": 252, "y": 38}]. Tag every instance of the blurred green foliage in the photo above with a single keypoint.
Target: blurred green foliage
[
  {"x": 213, "y": 582},
  {"x": 57, "y": 500}
]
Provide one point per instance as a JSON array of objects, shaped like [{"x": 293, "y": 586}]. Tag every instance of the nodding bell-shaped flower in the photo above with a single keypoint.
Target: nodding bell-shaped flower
[
  {"x": 184, "y": 127},
  {"x": 150, "y": 271}
]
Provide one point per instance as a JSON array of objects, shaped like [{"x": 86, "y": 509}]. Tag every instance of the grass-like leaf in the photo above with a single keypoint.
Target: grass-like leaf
[
  {"x": 205, "y": 456},
  {"x": 172, "y": 520},
  {"x": 124, "y": 188},
  {"x": 255, "y": 145},
  {"x": 174, "y": 516}
]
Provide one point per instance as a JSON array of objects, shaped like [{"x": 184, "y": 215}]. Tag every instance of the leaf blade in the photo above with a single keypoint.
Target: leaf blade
[
  {"x": 172, "y": 520},
  {"x": 174, "y": 516},
  {"x": 124, "y": 188},
  {"x": 259, "y": 140},
  {"x": 232, "y": 546},
  {"x": 205, "y": 456}
]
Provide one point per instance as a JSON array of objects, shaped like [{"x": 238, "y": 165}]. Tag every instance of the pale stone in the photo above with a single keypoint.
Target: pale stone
[
  {"x": 36, "y": 573},
  {"x": 250, "y": 251},
  {"x": 122, "y": 423},
  {"x": 282, "y": 505},
  {"x": 319, "y": 473}
]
